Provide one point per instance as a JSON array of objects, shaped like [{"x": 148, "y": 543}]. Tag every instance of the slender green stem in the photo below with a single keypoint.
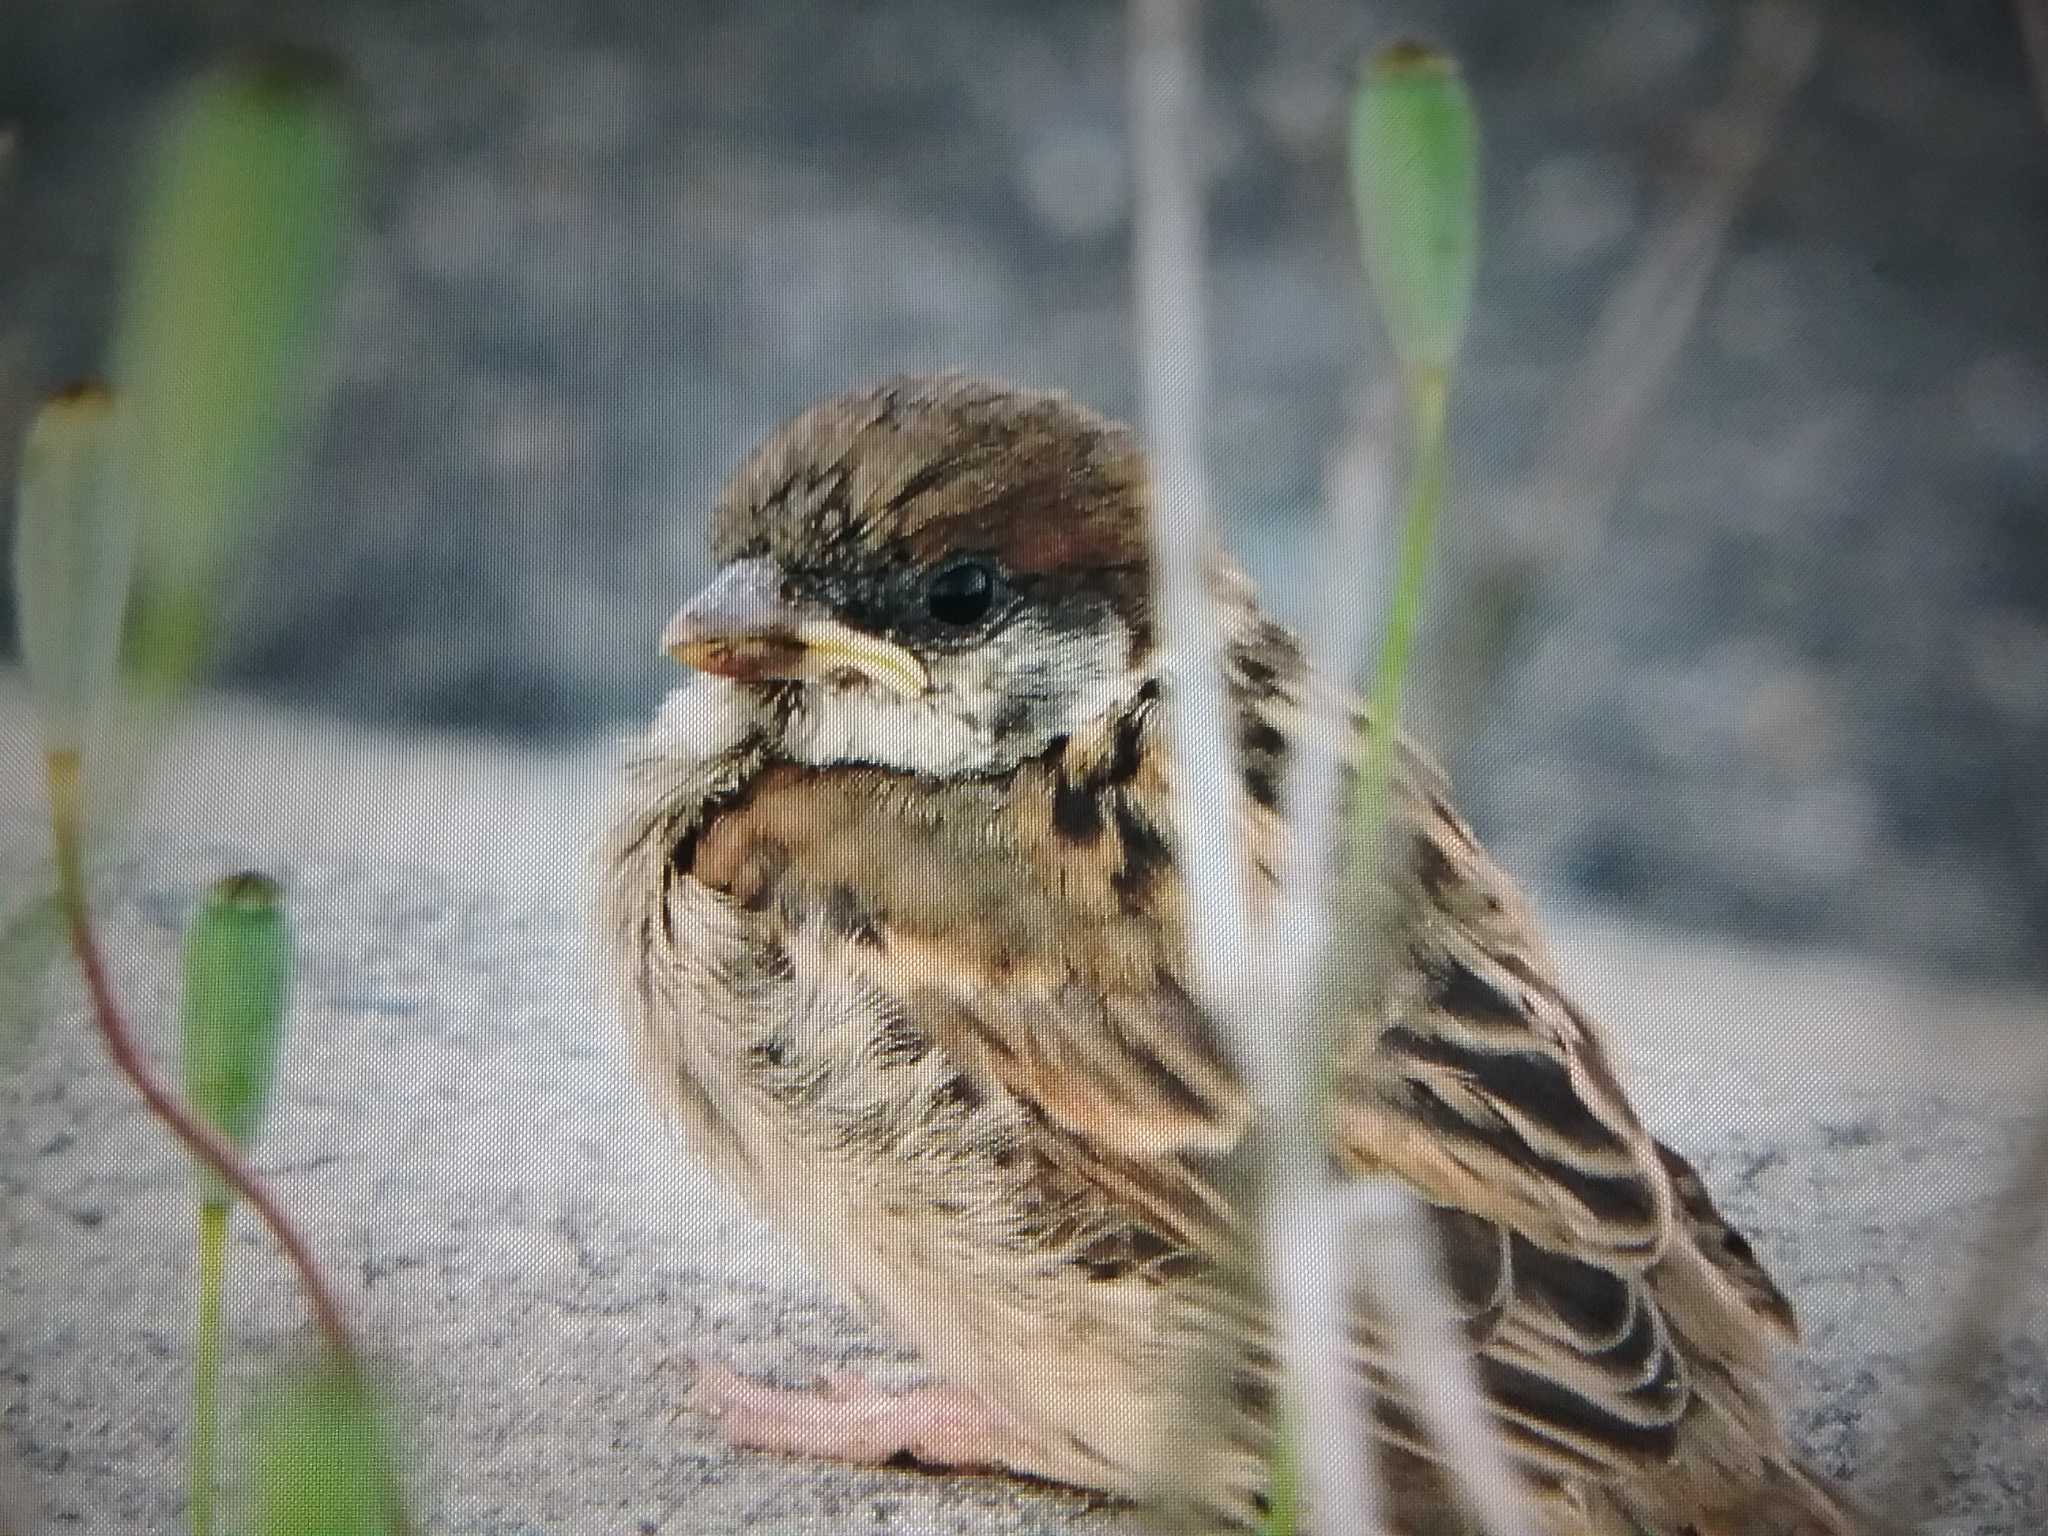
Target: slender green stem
[
  {"x": 1428, "y": 394},
  {"x": 1428, "y": 391},
  {"x": 213, "y": 1236},
  {"x": 1283, "y": 1489}
]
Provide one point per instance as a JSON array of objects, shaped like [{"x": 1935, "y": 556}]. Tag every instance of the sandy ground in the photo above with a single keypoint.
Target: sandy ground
[{"x": 538, "y": 1265}]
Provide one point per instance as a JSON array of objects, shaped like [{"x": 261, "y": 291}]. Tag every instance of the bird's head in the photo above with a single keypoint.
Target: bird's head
[{"x": 937, "y": 575}]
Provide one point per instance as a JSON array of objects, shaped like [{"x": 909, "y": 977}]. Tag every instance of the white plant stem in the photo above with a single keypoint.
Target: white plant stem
[
  {"x": 1309, "y": 1268},
  {"x": 1360, "y": 500},
  {"x": 1173, "y": 349},
  {"x": 1263, "y": 1033},
  {"x": 1258, "y": 984},
  {"x": 1381, "y": 1230}
]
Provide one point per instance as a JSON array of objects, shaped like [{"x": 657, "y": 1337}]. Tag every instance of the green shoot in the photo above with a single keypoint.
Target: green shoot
[
  {"x": 235, "y": 260},
  {"x": 238, "y": 971},
  {"x": 1415, "y": 183},
  {"x": 238, "y": 966},
  {"x": 1415, "y": 178}
]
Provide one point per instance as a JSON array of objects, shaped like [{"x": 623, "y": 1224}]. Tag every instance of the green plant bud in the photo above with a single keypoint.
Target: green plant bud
[
  {"x": 322, "y": 1463},
  {"x": 74, "y": 547},
  {"x": 1415, "y": 181},
  {"x": 244, "y": 210},
  {"x": 238, "y": 972}
]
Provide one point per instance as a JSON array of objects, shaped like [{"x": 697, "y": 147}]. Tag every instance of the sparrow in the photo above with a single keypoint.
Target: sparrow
[{"x": 892, "y": 905}]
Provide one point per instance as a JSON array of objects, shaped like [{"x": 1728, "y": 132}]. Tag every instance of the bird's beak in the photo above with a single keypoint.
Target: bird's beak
[{"x": 742, "y": 627}]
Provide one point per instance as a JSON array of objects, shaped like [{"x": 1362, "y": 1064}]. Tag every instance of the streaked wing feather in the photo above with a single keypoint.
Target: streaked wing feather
[{"x": 1483, "y": 1083}]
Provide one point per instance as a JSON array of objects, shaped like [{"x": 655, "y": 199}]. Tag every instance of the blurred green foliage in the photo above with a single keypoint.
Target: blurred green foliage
[
  {"x": 322, "y": 1462},
  {"x": 236, "y": 254}
]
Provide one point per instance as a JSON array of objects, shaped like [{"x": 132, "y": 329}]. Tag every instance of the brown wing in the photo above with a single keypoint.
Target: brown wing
[
  {"x": 1027, "y": 927},
  {"x": 1475, "y": 1079}
]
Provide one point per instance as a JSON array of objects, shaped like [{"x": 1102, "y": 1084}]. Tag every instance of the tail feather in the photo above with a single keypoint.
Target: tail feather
[{"x": 1777, "y": 1498}]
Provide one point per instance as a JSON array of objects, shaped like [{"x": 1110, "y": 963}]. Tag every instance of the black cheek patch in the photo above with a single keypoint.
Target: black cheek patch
[
  {"x": 1076, "y": 811},
  {"x": 1010, "y": 718},
  {"x": 1146, "y": 858}
]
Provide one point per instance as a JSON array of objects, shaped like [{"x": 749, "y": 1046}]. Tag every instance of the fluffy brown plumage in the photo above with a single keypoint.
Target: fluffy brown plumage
[{"x": 893, "y": 904}]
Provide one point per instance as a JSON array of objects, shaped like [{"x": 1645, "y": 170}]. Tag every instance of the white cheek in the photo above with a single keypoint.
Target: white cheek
[
  {"x": 706, "y": 717},
  {"x": 1099, "y": 678},
  {"x": 870, "y": 725}
]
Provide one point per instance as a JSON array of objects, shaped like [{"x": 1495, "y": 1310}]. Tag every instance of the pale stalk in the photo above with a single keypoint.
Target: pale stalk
[
  {"x": 1173, "y": 349},
  {"x": 1167, "y": 237},
  {"x": 206, "y": 1366},
  {"x": 1394, "y": 1259},
  {"x": 1167, "y": 277},
  {"x": 1358, "y": 502},
  {"x": 1402, "y": 1275},
  {"x": 1308, "y": 1268},
  {"x": 1265, "y": 1027}
]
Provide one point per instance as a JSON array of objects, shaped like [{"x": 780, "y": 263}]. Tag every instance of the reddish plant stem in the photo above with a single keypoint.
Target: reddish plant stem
[{"x": 203, "y": 1141}]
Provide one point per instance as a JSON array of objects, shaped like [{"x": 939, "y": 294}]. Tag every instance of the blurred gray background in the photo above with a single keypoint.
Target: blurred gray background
[{"x": 1798, "y": 687}]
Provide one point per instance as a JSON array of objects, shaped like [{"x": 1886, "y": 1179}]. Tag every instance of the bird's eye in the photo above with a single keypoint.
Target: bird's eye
[{"x": 961, "y": 594}]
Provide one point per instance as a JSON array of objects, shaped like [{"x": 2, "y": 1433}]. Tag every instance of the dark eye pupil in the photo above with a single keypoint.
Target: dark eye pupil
[{"x": 961, "y": 594}]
